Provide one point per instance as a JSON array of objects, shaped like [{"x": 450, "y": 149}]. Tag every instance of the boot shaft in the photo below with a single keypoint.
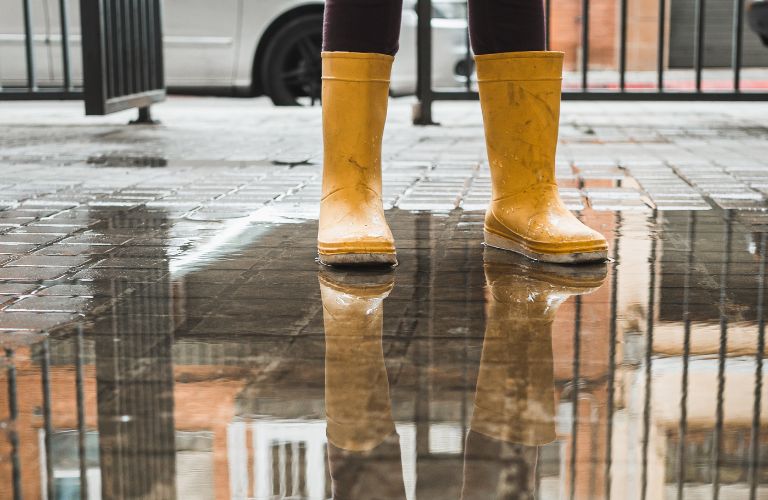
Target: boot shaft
[
  {"x": 520, "y": 98},
  {"x": 355, "y": 96}
]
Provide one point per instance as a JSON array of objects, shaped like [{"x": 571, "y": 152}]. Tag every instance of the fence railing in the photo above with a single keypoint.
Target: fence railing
[
  {"x": 426, "y": 94},
  {"x": 32, "y": 91},
  {"x": 121, "y": 51}
]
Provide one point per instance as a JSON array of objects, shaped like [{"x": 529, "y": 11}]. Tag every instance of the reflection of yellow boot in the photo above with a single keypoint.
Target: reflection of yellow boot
[
  {"x": 353, "y": 230},
  {"x": 363, "y": 446},
  {"x": 520, "y": 98},
  {"x": 357, "y": 401},
  {"x": 515, "y": 384},
  {"x": 514, "y": 409}
]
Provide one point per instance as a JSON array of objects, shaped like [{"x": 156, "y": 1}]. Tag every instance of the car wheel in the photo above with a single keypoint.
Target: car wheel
[{"x": 291, "y": 69}]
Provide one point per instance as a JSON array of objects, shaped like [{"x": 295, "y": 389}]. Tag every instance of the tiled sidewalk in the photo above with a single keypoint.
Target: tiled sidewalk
[{"x": 217, "y": 164}]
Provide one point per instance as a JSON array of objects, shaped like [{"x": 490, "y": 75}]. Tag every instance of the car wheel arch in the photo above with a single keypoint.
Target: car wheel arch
[{"x": 284, "y": 18}]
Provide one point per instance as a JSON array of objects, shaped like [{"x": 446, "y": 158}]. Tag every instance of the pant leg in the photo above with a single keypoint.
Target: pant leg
[
  {"x": 362, "y": 26},
  {"x": 506, "y": 26}
]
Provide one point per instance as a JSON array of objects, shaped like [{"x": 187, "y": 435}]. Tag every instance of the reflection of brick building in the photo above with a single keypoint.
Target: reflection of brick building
[{"x": 248, "y": 400}]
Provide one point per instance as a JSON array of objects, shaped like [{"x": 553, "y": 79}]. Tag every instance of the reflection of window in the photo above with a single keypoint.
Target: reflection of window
[
  {"x": 699, "y": 452},
  {"x": 277, "y": 459},
  {"x": 66, "y": 464}
]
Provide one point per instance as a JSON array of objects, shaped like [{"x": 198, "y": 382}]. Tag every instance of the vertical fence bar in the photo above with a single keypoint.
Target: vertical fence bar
[
  {"x": 575, "y": 393},
  {"x": 623, "y": 46},
  {"x": 648, "y": 365},
  {"x": 29, "y": 46},
  {"x": 698, "y": 43},
  {"x": 468, "y": 62},
  {"x": 158, "y": 57},
  {"x": 138, "y": 59},
  {"x": 145, "y": 47},
  {"x": 584, "y": 44},
  {"x": 547, "y": 24},
  {"x": 683, "y": 429},
  {"x": 753, "y": 476},
  {"x": 661, "y": 49},
  {"x": 736, "y": 49},
  {"x": 721, "y": 359},
  {"x": 64, "y": 22},
  {"x": 613, "y": 334},
  {"x": 45, "y": 369},
  {"x": 13, "y": 435},
  {"x": 81, "y": 428},
  {"x": 423, "y": 111}
]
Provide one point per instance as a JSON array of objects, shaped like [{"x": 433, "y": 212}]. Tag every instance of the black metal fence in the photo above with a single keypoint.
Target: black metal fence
[
  {"x": 122, "y": 57},
  {"x": 427, "y": 94},
  {"x": 122, "y": 54}
]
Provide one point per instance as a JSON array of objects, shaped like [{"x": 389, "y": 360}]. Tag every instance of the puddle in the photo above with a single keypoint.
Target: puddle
[{"x": 239, "y": 368}]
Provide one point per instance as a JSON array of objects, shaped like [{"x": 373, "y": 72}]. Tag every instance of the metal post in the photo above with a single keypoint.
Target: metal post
[
  {"x": 623, "y": 46},
  {"x": 64, "y": 22},
  {"x": 584, "y": 44},
  {"x": 29, "y": 46},
  {"x": 736, "y": 49},
  {"x": 547, "y": 24},
  {"x": 698, "y": 45},
  {"x": 144, "y": 118},
  {"x": 662, "y": 45},
  {"x": 422, "y": 111}
]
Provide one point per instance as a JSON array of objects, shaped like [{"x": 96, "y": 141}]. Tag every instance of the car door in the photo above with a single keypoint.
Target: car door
[
  {"x": 200, "y": 42},
  {"x": 13, "y": 62}
]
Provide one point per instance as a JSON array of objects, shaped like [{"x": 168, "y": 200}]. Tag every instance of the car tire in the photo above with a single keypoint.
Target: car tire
[{"x": 291, "y": 68}]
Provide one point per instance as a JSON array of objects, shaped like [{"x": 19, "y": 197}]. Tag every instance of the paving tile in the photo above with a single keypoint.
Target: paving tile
[
  {"x": 55, "y": 304},
  {"x": 31, "y": 273},
  {"x": 50, "y": 261},
  {"x": 20, "y": 321}
]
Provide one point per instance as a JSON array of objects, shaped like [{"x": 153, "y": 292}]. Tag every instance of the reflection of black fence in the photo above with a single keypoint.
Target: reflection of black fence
[
  {"x": 122, "y": 57},
  {"x": 427, "y": 94},
  {"x": 717, "y": 455}
]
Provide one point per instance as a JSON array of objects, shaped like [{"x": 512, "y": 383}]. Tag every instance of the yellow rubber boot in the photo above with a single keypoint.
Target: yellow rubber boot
[
  {"x": 357, "y": 402},
  {"x": 353, "y": 230},
  {"x": 520, "y": 98},
  {"x": 515, "y": 398}
]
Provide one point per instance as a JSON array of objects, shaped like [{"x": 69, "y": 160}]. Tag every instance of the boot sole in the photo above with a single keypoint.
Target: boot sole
[
  {"x": 358, "y": 259},
  {"x": 499, "y": 242}
]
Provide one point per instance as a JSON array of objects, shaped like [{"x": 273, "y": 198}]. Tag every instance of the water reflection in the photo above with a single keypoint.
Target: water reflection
[
  {"x": 514, "y": 406},
  {"x": 463, "y": 373},
  {"x": 363, "y": 445},
  {"x": 514, "y": 403}
]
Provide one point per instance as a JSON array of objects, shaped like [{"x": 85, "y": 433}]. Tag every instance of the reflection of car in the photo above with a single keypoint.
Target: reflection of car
[
  {"x": 240, "y": 47},
  {"x": 758, "y": 19}
]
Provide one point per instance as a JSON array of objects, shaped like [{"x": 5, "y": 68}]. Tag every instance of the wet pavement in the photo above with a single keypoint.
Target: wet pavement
[{"x": 168, "y": 333}]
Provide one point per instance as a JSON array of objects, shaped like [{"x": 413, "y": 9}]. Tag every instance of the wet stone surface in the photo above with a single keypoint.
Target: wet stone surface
[{"x": 168, "y": 334}]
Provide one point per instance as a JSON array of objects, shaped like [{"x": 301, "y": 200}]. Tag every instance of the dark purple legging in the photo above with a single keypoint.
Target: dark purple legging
[{"x": 374, "y": 25}]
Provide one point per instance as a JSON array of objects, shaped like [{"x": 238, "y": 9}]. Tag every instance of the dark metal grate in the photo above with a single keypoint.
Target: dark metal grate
[
  {"x": 122, "y": 54},
  {"x": 427, "y": 94}
]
